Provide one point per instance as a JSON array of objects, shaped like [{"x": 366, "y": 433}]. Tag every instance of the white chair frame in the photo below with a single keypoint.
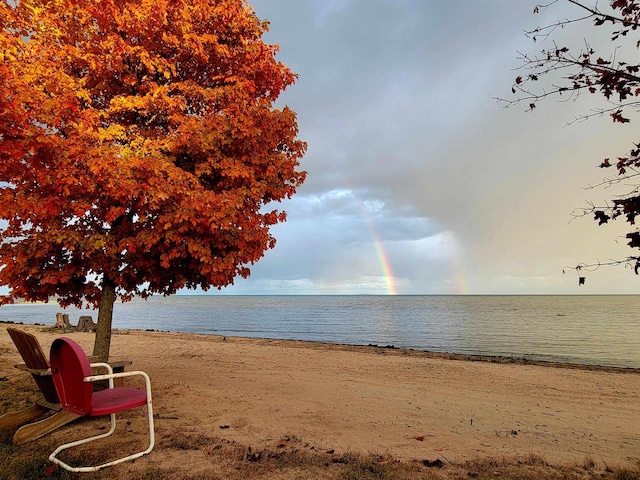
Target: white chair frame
[{"x": 110, "y": 376}]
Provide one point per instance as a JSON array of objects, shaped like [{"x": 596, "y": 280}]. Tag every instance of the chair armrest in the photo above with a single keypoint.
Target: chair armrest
[
  {"x": 114, "y": 366},
  {"x": 105, "y": 366},
  {"x": 102, "y": 365},
  {"x": 113, "y": 363},
  {"x": 111, "y": 376},
  {"x": 47, "y": 371}
]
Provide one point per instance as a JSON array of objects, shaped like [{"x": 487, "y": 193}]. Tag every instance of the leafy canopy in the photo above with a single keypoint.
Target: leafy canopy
[{"x": 139, "y": 145}]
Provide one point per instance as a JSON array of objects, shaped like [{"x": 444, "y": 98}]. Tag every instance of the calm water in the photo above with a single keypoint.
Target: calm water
[{"x": 602, "y": 330}]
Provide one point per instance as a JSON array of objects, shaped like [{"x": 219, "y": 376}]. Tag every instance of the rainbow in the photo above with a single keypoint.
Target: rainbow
[
  {"x": 455, "y": 264},
  {"x": 383, "y": 258},
  {"x": 460, "y": 284},
  {"x": 384, "y": 263}
]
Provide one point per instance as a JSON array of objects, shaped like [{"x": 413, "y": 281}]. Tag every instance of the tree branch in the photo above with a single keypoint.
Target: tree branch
[{"x": 629, "y": 262}]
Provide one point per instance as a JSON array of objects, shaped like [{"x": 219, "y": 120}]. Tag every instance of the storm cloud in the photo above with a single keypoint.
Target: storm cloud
[{"x": 419, "y": 181}]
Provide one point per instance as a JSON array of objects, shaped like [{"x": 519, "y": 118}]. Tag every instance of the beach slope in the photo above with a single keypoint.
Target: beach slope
[{"x": 410, "y": 405}]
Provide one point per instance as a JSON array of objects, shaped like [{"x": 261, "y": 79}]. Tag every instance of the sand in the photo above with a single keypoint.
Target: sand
[{"x": 367, "y": 399}]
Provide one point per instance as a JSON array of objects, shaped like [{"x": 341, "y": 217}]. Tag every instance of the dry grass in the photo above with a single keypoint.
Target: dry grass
[{"x": 184, "y": 455}]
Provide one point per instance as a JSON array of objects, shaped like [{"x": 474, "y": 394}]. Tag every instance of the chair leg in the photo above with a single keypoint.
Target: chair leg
[
  {"x": 66, "y": 466},
  {"x": 9, "y": 420},
  {"x": 35, "y": 430},
  {"x": 82, "y": 441}
]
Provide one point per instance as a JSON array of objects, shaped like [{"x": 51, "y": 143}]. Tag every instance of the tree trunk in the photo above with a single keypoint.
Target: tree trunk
[
  {"x": 62, "y": 320},
  {"x": 85, "y": 324},
  {"x": 105, "y": 317}
]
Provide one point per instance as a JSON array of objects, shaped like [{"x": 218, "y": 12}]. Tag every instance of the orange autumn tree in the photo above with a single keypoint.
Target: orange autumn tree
[{"x": 139, "y": 145}]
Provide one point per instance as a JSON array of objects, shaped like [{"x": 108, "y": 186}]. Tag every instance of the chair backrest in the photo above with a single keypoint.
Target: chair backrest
[
  {"x": 69, "y": 365},
  {"x": 33, "y": 356}
]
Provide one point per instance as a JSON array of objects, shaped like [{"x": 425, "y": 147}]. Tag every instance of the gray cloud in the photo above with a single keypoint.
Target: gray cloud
[{"x": 410, "y": 157}]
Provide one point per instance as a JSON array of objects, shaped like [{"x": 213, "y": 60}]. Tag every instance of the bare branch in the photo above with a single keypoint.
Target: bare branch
[
  {"x": 546, "y": 31},
  {"x": 629, "y": 262},
  {"x": 605, "y": 16},
  {"x": 563, "y": 74}
]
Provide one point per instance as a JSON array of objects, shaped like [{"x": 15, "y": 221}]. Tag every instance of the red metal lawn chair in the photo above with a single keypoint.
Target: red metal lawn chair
[{"x": 72, "y": 377}]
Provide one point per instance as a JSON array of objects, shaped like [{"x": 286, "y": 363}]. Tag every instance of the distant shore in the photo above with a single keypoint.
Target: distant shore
[{"x": 413, "y": 405}]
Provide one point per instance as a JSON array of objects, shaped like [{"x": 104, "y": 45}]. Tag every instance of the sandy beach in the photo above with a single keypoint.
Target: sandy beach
[{"x": 407, "y": 404}]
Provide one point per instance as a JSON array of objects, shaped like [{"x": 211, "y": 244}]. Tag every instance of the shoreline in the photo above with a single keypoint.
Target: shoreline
[
  {"x": 464, "y": 357},
  {"x": 562, "y": 329},
  {"x": 497, "y": 359},
  {"x": 408, "y": 404}
]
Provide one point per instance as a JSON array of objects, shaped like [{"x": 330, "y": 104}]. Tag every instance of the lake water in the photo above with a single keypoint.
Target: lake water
[{"x": 599, "y": 330}]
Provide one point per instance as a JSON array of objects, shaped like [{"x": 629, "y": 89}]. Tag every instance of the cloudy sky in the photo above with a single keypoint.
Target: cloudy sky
[{"x": 420, "y": 182}]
